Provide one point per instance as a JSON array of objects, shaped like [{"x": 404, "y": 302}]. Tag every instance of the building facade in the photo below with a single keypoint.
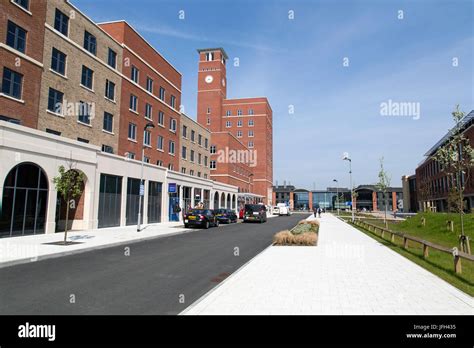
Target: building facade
[
  {"x": 195, "y": 154},
  {"x": 22, "y": 32},
  {"x": 246, "y": 123},
  {"x": 81, "y": 82}
]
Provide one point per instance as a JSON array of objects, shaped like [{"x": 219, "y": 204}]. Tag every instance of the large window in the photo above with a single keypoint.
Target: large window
[
  {"x": 110, "y": 194},
  {"x": 171, "y": 147},
  {"x": 61, "y": 22},
  {"x": 90, "y": 42},
  {"x": 132, "y": 131},
  {"x": 184, "y": 152},
  {"x": 173, "y": 101},
  {"x": 23, "y": 3},
  {"x": 133, "y": 103},
  {"x": 109, "y": 90},
  {"x": 108, "y": 122},
  {"x": 173, "y": 125},
  {"x": 84, "y": 113},
  {"x": 192, "y": 156},
  {"x": 16, "y": 37},
  {"x": 149, "y": 85},
  {"x": 87, "y": 77},
  {"x": 161, "y": 118},
  {"x": 147, "y": 138},
  {"x": 55, "y": 101},
  {"x": 193, "y": 136},
  {"x": 12, "y": 83},
  {"x": 112, "y": 58},
  {"x": 162, "y": 93},
  {"x": 159, "y": 143},
  {"x": 58, "y": 61},
  {"x": 148, "y": 111},
  {"x": 213, "y": 165},
  {"x": 135, "y": 74},
  {"x": 228, "y": 124}
]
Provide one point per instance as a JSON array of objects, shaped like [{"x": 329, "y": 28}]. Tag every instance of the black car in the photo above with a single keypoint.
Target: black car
[
  {"x": 255, "y": 213},
  {"x": 201, "y": 218},
  {"x": 226, "y": 216}
]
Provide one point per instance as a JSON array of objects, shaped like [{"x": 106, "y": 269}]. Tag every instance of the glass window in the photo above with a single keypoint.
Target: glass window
[
  {"x": 251, "y": 123},
  {"x": 108, "y": 122},
  {"x": 228, "y": 124},
  {"x": 61, "y": 22},
  {"x": 200, "y": 139},
  {"x": 133, "y": 102},
  {"x": 55, "y": 101},
  {"x": 23, "y": 3},
  {"x": 171, "y": 147},
  {"x": 161, "y": 118},
  {"x": 132, "y": 131},
  {"x": 173, "y": 102},
  {"x": 16, "y": 37},
  {"x": 185, "y": 131},
  {"x": 84, "y": 112},
  {"x": 110, "y": 90},
  {"x": 148, "y": 111},
  {"x": 149, "y": 85},
  {"x": 87, "y": 77},
  {"x": 90, "y": 43},
  {"x": 251, "y": 134},
  {"x": 147, "y": 138},
  {"x": 228, "y": 113},
  {"x": 12, "y": 83},
  {"x": 213, "y": 165},
  {"x": 240, "y": 123},
  {"x": 135, "y": 73},
  {"x": 193, "y": 135},
  {"x": 213, "y": 149},
  {"x": 162, "y": 93},
  {"x": 173, "y": 125},
  {"x": 251, "y": 112},
  {"x": 58, "y": 61},
  {"x": 112, "y": 58},
  {"x": 184, "y": 152},
  {"x": 206, "y": 143},
  {"x": 159, "y": 145},
  {"x": 239, "y": 112}
]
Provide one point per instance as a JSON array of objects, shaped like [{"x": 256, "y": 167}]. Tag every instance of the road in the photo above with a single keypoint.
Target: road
[{"x": 162, "y": 276}]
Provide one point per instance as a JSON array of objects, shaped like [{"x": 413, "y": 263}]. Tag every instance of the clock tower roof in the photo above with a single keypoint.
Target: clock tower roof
[{"x": 205, "y": 50}]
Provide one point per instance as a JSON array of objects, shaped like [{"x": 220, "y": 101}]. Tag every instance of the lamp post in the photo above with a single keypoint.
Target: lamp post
[
  {"x": 142, "y": 185},
  {"x": 337, "y": 195},
  {"x": 347, "y": 158}
]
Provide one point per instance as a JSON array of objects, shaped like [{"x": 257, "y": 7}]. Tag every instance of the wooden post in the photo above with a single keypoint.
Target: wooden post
[
  {"x": 450, "y": 225},
  {"x": 423, "y": 221},
  {"x": 468, "y": 245},
  {"x": 383, "y": 232},
  {"x": 426, "y": 252},
  {"x": 405, "y": 243},
  {"x": 457, "y": 264},
  {"x": 393, "y": 238}
]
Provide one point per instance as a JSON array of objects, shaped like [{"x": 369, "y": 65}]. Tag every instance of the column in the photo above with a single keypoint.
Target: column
[
  {"x": 394, "y": 199},
  {"x": 310, "y": 202},
  {"x": 374, "y": 201},
  {"x": 123, "y": 202},
  {"x": 292, "y": 203}
]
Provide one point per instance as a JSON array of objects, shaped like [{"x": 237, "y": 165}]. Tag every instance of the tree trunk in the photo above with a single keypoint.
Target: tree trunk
[{"x": 67, "y": 218}]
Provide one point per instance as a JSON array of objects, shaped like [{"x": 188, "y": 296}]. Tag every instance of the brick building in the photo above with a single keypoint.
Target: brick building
[
  {"x": 21, "y": 60},
  {"x": 150, "y": 94},
  {"x": 243, "y": 126}
]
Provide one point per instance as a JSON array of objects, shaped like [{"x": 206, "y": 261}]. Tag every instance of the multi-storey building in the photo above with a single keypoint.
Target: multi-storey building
[
  {"x": 195, "y": 154},
  {"x": 80, "y": 88},
  {"x": 21, "y": 59},
  {"x": 237, "y": 125},
  {"x": 150, "y": 100}
]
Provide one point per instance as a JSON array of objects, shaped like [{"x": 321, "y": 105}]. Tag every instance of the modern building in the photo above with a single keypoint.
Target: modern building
[
  {"x": 80, "y": 89},
  {"x": 433, "y": 185},
  {"x": 410, "y": 194},
  {"x": 195, "y": 154},
  {"x": 22, "y": 32},
  {"x": 150, "y": 100},
  {"x": 242, "y": 128}
]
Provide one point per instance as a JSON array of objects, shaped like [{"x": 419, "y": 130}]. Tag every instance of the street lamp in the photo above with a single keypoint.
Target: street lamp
[
  {"x": 142, "y": 185},
  {"x": 337, "y": 195},
  {"x": 347, "y": 158}
]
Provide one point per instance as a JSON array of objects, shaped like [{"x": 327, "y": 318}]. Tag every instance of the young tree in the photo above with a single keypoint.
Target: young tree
[
  {"x": 383, "y": 185},
  {"x": 456, "y": 158},
  {"x": 70, "y": 184}
]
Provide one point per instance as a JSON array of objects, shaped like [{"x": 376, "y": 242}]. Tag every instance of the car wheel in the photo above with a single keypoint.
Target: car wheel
[
  {"x": 186, "y": 226},
  {"x": 217, "y": 223},
  {"x": 206, "y": 226}
]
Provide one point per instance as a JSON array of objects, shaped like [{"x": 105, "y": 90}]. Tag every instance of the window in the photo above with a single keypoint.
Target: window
[
  {"x": 159, "y": 143},
  {"x": 206, "y": 160},
  {"x": 208, "y": 121},
  {"x": 213, "y": 149},
  {"x": 228, "y": 113},
  {"x": 162, "y": 93},
  {"x": 23, "y": 3},
  {"x": 147, "y": 138},
  {"x": 61, "y": 22},
  {"x": 133, "y": 102},
  {"x": 199, "y": 159},
  {"x": 149, "y": 84},
  {"x": 132, "y": 131},
  {"x": 146, "y": 159},
  {"x": 208, "y": 111},
  {"x": 82, "y": 140},
  {"x": 84, "y": 115},
  {"x": 206, "y": 143},
  {"x": 210, "y": 56},
  {"x": 171, "y": 147},
  {"x": 112, "y": 58},
  {"x": 148, "y": 111},
  {"x": 192, "y": 156},
  {"x": 170, "y": 166},
  {"x": 16, "y": 37},
  {"x": 173, "y": 125},
  {"x": 200, "y": 139},
  {"x": 55, "y": 101},
  {"x": 251, "y": 134},
  {"x": 239, "y": 134},
  {"x": 213, "y": 165},
  {"x": 240, "y": 123},
  {"x": 228, "y": 124},
  {"x": 183, "y": 170},
  {"x": 52, "y": 131},
  {"x": 87, "y": 77},
  {"x": 185, "y": 131},
  {"x": 90, "y": 42},
  {"x": 191, "y": 172},
  {"x": 159, "y": 163},
  {"x": 251, "y": 112},
  {"x": 205, "y": 176},
  {"x": 131, "y": 155},
  {"x": 199, "y": 174},
  {"x": 193, "y": 136},
  {"x": 58, "y": 61},
  {"x": 251, "y": 145},
  {"x": 161, "y": 118},
  {"x": 251, "y": 123},
  {"x": 12, "y": 83},
  {"x": 109, "y": 90},
  {"x": 108, "y": 125},
  {"x": 239, "y": 112},
  {"x": 135, "y": 74},
  {"x": 184, "y": 152}
]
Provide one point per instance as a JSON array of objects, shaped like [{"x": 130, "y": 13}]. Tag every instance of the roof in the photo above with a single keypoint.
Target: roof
[
  {"x": 465, "y": 122},
  {"x": 201, "y": 50}
]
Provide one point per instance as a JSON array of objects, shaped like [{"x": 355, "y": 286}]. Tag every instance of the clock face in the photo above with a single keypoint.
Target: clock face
[
  {"x": 209, "y": 79},
  {"x": 223, "y": 82}
]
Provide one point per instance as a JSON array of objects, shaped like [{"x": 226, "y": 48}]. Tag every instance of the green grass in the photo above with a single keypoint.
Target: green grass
[{"x": 438, "y": 263}]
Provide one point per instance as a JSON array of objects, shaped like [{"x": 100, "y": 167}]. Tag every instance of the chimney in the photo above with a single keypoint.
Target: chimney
[{"x": 284, "y": 184}]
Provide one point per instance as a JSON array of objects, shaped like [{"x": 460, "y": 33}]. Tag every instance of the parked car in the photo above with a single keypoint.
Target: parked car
[
  {"x": 204, "y": 218},
  {"x": 284, "y": 209},
  {"x": 226, "y": 216},
  {"x": 255, "y": 213},
  {"x": 276, "y": 210}
]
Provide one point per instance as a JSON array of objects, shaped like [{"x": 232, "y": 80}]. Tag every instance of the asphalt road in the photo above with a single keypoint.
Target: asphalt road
[{"x": 155, "y": 279}]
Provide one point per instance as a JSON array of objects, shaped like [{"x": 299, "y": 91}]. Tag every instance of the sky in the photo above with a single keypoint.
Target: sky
[{"x": 327, "y": 67}]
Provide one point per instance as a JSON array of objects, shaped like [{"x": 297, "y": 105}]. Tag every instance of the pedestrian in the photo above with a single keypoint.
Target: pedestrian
[
  {"x": 319, "y": 213},
  {"x": 315, "y": 211}
]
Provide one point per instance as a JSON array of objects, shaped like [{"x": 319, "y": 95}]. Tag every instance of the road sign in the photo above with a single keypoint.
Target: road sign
[
  {"x": 172, "y": 188},
  {"x": 142, "y": 190}
]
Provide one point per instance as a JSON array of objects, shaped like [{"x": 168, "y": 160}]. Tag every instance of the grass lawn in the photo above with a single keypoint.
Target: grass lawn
[{"x": 438, "y": 263}]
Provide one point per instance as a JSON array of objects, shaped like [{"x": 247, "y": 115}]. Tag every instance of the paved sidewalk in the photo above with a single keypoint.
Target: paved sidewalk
[{"x": 348, "y": 273}]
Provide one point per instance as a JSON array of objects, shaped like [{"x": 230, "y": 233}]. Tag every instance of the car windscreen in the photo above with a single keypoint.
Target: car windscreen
[
  {"x": 253, "y": 207},
  {"x": 197, "y": 212},
  {"x": 220, "y": 211}
]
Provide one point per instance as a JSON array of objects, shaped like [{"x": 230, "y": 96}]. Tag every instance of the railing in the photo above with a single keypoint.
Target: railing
[{"x": 457, "y": 254}]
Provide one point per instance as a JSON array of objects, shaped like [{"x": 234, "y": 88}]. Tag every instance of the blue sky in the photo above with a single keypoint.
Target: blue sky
[{"x": 299, "y": 62}]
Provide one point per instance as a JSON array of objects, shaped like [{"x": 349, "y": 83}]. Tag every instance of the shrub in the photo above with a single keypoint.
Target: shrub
[{"x": 286, "y": 238}]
